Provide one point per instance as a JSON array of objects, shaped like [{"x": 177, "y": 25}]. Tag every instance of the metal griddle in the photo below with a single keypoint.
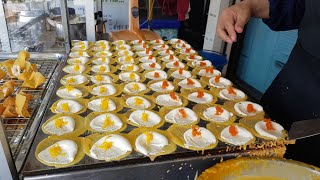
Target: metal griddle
[{"x": 182, "y": 164}]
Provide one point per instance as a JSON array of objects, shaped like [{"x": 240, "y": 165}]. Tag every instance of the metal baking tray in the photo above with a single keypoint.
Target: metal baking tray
[
  {"x": 33, "y": 169},
  {"x": 20, "y": 131}
]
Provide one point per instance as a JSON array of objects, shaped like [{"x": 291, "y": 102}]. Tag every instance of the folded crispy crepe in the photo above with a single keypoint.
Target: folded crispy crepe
[
  {"x": 35, "y": 80},
  {"x": 6, "y": 89}
]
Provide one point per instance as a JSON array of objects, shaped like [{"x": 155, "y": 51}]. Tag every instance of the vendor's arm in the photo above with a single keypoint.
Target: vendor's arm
[{"x": 233, "y": 19}]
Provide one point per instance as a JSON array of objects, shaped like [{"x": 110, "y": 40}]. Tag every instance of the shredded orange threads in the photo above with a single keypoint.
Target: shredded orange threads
[
  {"x": 269, "y": 124},
  {"x": 157, "y": 41},
  {"x": 173, "y": 96},
  {"x": 195, "y": 131},
  {"x": 179, "y": 41},
  {"x": 183, "y": 113},
  {"x": 190, "y": 82},
  {"x": 233, "y": 130},
  {"x": 183, "y": 45},
  {"x": 153, "y": 65},
  {"x": 200, "y": 94},
  {"x": 140, "y": 41},
  {"x": 163, "y": 46},
  {"x": 209, "y": 70},
  {"x": 156, "y": 75},
  {"x": 150, "y": 57},
  {"x": 203, "y": 64},
  {"x": 180, "y": 71},
  {"x": 217, "y": 79},
  {"x": 219, "y": 110},
  {"x": 168, "y": 51},
  {"x": 250, "y": 108},
  {"x": 144, "y": 45},
  {"x": 171, "y": 57},
  {"x": 231, "y": 91},
  {"x": 165, "y": 84},
  {"x": 176, "y": 63},
  {"x": 147, "y": 51},
  {"x": 188, "y": 50},
  {"x": 192, "y": 56}
]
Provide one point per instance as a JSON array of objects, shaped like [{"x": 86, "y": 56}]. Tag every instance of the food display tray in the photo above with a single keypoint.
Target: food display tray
[{"x": 181, "y": 164}]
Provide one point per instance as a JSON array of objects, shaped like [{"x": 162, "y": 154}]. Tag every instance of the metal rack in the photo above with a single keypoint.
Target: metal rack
[{"x": 15, "y": 128}]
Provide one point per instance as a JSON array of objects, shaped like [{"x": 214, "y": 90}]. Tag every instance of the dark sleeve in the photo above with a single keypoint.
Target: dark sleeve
[{"x": 285, "y": 14}]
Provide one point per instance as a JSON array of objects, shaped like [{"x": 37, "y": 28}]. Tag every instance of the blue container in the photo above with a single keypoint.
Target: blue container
[
  {"x": 167, "y": 29},
  {"x": 218, "y": 60}
]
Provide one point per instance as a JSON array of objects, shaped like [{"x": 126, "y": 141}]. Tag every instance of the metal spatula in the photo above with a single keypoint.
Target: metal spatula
[{"x": 304, "y": 129}]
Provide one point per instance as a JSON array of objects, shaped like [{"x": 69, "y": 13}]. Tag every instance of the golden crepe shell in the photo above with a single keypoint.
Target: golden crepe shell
[
  {"x": 200, "y": 108},
  {"x": 183, "y": 100},
  {"x": 64, "y": 81},
  {"x": 155, "y": 81},
  {"x": 230, "y": 107},
  {"x": 148, "y": 98},
  {"x": 216, "y": 92},
  {"x": 205, "y": 80},
  {"x": 90, "y": 140},
  {"x": 186, "y": 92},
  {"x": 118, "y": 102},
  {"x": 118, "y": 87},
  {"x": 87, "y": 69},
  {"x": 250, "y": 124},
  {"x": 83, "y": 102},
  {"x": 114, "y": 78},
  {"x": 176, "y": 134},
  {"x": 217, "y": 128},
  {"x": 168, "y": 149},
  {"x": 52, "y": 140},
  {"x": 78, "y": 129},
  {"x": 83, "y": 89},
  {"x": 165, "y": 110},
  {"x": 127, "y": 114},
  {"x": 176, "y": 81},
  {"x": 93, "y": 115}
]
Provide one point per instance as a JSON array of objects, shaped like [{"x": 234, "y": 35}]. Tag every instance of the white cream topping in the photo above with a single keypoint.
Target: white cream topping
[
  {"x": 95, "y": 105},
  {"x": 105, "y": 79},
  {"x": 101, "y": 48},
  {"x": 119, "y": 42},
  {"x": 125, "y": 53},
  {"x": 140, "y": 47},
  {"x": 120, "y": 146},
  {"x": 275, "y": 133},
  {"x": 207, "y": 98},
  {"x": 166, "y": 100},
  {"x": 144, "y": 53},
  {"x": 74, "y": 107},
  {"x": 125, "y": 76},
  {"x": 147, "y": 59},
  {"x": 74, "y": 93},
  {"x": 151, "y": 118},
  {"x": 69, "y": 149},
  {"x": 196, "y": 58},
  {"x": 79, "y": 60},
  {"x": 130, "y": 87},
  {"x": 203, "y": 63},
  {"x": 103, "y": 54},
  {"x": 184, "y": 51},
  {"x": 123, "y": 47},
  {"x": 104, "y": 90},
  {"x": 223, "y": 82},
  {"x": 155, "y": 146},
  {"x": 151, "y": 75},
  {"x": 172, "y": 64},
  {"x": 181, "y": 116},
  {"x": 157, "y": 87},
  {"x": 78, "y": 79},
  {"x": 126, "y": 60},
  {"x": 241, "y": 108},
  {"x": 102, "y": 68},
  {"x": 176, "y": 41},
  {"x": 224, "y": 93},
  {"x": 185, "y": 74},
  {"x": 74, "y": 69},
  {"x": 99, "y": 123},
  {"x": 166, "y": 52},
  {"x": 243, "y": 136},
  {"x": 161, "y": 47},
  {"x": 102, "y": 60},
  {"x": 78, "y": 43},
  {"x": 184, "y": 84},
  {"x": 102, "y": 42},
  {"x": 77, "y": 54},
  {"x": 132, "y": 102},
  {"x": 203, "y": 72},
  {"x": 127, "y": 67},
  {"x": 147, "y": 66},
  {"x": 199, "y": 141},
  {"x": 182, "y": 46},
  {"x": 167, "y": 58},
  {"x": 212, "y": 115},
  {"x": 158, "y": 41},
  {"x": 138, "y": 42},
  {"x": 67, "y": 127}
]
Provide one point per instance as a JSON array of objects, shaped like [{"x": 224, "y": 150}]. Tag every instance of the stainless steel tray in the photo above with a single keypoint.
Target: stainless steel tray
[
  {"x": 18, "y": 130},
  {"x": 34, "y": 169}
]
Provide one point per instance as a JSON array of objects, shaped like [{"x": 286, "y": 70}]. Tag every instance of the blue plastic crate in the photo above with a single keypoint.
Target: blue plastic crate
[
  {"x": 218, "y": 60},
  {"x": 161, "y": 24}
]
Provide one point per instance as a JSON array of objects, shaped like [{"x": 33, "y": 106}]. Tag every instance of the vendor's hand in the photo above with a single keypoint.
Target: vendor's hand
[{"x": 232, "y": 21}]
